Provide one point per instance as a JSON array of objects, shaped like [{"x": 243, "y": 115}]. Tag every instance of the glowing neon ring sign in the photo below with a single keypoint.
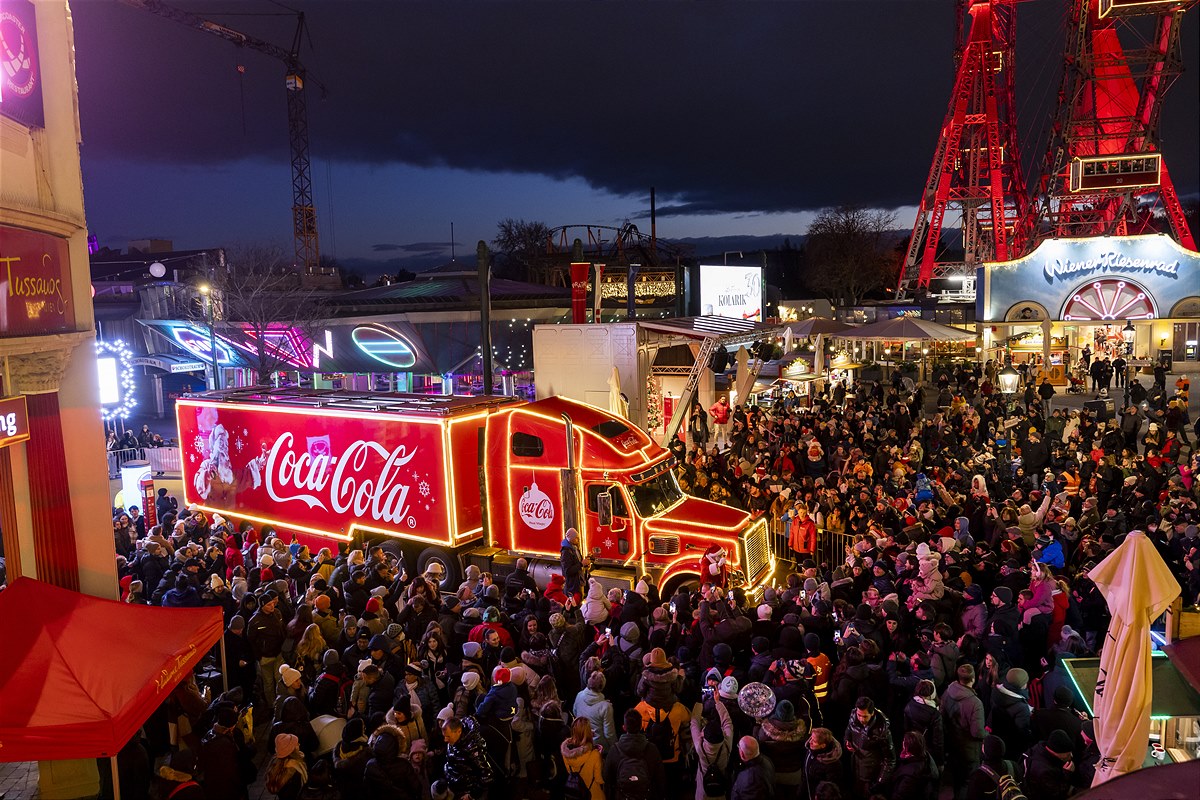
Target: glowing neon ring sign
[{"x": 384, "y": 345}]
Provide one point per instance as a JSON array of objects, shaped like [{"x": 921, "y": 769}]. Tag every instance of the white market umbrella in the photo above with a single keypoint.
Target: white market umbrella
[
  {"x": 744, "y": 382},
  {"x": 616, "y": 403},
  {"x": 818, "y": 326},
  {"x": 1138, "y": 586},
  {"x": 909, "y": 329}
]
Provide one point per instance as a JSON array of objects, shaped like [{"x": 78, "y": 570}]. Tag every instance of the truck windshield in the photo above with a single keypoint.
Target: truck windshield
[{"x": 656, "y": 495}]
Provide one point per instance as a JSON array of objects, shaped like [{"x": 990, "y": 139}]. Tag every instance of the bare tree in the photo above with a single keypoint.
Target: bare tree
[
  {"x": 258, "y": 300},
  {"x": 848, "y": 253},
  {"x": 521, "y": 245}
]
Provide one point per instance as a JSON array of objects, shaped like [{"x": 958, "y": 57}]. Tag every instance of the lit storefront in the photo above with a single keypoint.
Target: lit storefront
[{"x": 1138, "y": 296}]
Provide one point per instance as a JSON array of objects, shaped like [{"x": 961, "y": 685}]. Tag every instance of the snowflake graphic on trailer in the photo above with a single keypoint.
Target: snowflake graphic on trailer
[
  {"x": 199, "y": 443},
  {"x": 423, "y": 488},
  {"x": 608, "y": 543},
  {"x": 239, "y": 443}
]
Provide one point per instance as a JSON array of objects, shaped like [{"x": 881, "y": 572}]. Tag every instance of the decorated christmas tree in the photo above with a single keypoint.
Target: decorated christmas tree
[{"x": 653, "y": 403}]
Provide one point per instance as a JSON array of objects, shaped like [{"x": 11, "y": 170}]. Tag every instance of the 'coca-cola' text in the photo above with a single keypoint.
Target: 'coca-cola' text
[{"x": 378, "y": 494}]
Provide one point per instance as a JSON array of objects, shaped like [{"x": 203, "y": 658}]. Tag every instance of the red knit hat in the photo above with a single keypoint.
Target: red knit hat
[
  {"x": 374, "y": 605},
  {"x": 501, "y": 675}
]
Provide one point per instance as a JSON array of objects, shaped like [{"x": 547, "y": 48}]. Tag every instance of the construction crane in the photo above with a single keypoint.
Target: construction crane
[{"x": 304, "y": 214}]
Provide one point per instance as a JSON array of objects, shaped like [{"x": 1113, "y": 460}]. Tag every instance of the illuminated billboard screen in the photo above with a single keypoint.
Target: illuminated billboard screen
[{"x": 731, "y": 291}]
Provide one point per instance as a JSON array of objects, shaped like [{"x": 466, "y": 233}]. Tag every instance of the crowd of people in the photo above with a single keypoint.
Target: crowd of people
[{"x": 923, "y": 658}]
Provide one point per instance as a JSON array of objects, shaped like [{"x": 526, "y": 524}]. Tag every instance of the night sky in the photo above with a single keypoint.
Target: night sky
[{"x": 746, "y": 116}]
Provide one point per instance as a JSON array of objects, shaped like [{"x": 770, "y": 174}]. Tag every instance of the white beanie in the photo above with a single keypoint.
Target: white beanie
[
  {"x": 470, "y": 680},
  {"x": 728, "y": 688},
  {"x": 216, "y": 582},
  {"x": 289, "y": 674},
  {"x": 764, "y": 612},
  {"x": 642, "y": 588},
  {"x": 266, "y": 560}
]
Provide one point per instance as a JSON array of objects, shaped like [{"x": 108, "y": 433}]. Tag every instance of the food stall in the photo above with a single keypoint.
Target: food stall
[{"x": 1175, "y": 713}]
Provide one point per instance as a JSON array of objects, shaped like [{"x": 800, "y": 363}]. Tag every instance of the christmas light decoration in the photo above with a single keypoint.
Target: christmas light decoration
[{"x": 117, "y": 382}]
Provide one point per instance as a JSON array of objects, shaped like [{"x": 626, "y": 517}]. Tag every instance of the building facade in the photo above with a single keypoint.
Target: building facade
[
  {"x": 1137, "y": 296},
  {"x": 54, "y": 507}
]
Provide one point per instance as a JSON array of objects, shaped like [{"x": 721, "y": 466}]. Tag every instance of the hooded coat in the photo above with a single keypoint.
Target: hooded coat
[
  {"x": 586, "y": 762},
  {"x": 598, "y": 711},
  {"x": 388, "y": 776},
  {"x": 659, "y": 687},
  {"x": 824, "y": 765},
  {"x": 783, "y": 743}
]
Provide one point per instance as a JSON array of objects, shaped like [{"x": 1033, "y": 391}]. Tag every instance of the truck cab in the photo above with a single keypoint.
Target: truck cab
[{"x": 558, "y": 464}]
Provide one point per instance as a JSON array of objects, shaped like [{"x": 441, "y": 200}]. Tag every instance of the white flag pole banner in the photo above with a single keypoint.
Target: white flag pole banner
[{"x": 1137, "y": 586}]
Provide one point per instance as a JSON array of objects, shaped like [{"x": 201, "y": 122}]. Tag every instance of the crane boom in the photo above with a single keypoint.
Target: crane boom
[{"x": 304, "y": 213}]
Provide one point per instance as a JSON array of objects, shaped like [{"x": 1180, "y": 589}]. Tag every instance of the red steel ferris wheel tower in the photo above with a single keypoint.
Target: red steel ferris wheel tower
[
  {"x": 975, "y": 181},
  {"x": 1104, "y": 173}
]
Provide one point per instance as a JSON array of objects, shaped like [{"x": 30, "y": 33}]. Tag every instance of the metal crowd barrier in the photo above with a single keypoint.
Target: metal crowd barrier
[
  {"x": 831, "y": 546},
  {"x": 163, "y": 460}
]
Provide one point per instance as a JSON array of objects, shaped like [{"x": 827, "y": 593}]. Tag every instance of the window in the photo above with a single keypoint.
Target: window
[
  {"x": 527, "y": 445},
  {"x": 610, "y": 428},
  {"x": 619, "y": 508}
]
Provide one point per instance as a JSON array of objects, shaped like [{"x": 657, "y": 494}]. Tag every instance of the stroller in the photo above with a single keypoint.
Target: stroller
[{"x": 1076, "y": 384}]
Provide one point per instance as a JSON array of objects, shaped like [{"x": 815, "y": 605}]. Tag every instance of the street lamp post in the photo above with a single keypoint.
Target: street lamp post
[
  {"x": 212, "y": 335},
  {"x": 1009, "y": 379}
]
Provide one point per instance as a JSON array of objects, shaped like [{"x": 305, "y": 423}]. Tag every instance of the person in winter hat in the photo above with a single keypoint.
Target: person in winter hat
[
  {"x": 782, "y": 737},
  {"x": 712, "y": 741},
  {"x": 595, "y": 606},
  {"x": 713, "y": 566},
  {"x": 1010, "y": 716}
]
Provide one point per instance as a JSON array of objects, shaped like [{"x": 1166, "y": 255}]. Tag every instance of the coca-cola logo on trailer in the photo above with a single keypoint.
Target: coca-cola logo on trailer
[
  {"x": 535, "y": 508},
  {"x": 327, "y": 474},
  {"x": 308, "y": 479}
]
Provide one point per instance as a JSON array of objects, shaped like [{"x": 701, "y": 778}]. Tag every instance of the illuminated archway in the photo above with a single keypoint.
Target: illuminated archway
[
  {"x": 114, "y": 367},
  {"x": 1108, "y": 299}
]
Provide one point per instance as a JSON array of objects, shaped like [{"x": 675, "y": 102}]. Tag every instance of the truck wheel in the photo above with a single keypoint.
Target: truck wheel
[
  {"x": 449, "y": 564},
  {"x": 394, "y": 550}
]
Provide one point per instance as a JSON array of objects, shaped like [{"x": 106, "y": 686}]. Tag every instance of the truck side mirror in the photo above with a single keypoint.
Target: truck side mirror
[{"x": 604, "y": 508}]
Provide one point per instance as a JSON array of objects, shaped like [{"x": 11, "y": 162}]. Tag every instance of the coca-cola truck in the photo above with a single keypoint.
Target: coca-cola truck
[{"x": 458, "y": 480}]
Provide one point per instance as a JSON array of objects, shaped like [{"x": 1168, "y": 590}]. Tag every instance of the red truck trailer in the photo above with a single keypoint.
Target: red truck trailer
[{"x": 458, "y": 480}]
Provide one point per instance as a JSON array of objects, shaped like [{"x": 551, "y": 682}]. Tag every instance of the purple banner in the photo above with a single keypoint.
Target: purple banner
[{"x": 20, "y": 67}]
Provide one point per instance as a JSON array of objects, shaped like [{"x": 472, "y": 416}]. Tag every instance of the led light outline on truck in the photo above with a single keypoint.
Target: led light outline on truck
[{"x": 193, "y": 451}]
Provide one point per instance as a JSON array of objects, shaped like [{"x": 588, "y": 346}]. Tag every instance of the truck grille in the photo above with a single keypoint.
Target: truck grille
[
  {"x": 664, "y": 545},
  {"x": 757, "y": 545}
]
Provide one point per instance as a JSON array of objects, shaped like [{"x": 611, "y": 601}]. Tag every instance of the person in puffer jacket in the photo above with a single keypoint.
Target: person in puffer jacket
[
  {"x": 824, "y": 761},
  {"x": 467, "y": 770},
  {"x": 928, "y": 583},
  {"x": 595, "y": 606},
  {"x": 592, "y": 705},
  {"x": 974, "y": 613},
  {"x": 660, "y": 681},
  {"x": 922, "y": 714},
  {"x": 388, "y": 773},
  {"x": 781, "y": 737}
]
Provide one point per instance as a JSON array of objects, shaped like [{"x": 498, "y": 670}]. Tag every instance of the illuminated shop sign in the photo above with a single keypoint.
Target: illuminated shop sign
[
  {"x": 20, "y": 68},
  {"x": 196, "y": 341},
  {"x": 14, "y": 420},
  {"x": 35, "y": 283},
  {"x": 1111, "y": 261}
]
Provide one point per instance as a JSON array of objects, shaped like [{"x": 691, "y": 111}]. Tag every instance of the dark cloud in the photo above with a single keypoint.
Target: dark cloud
[{"x": 724, "y": 107}]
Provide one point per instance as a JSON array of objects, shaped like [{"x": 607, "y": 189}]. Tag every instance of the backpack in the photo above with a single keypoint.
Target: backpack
[
  {"x": 714, "y": 782},
  {"x": 660, "y": 734},
  {"x": 633, "y": 779},
  {"x": 1006, "y": 786},
  {"x": 575, "y": 788}
]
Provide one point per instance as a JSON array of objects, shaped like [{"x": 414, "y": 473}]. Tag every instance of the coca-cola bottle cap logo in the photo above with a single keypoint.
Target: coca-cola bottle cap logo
[{"x": 535, "y": 508}]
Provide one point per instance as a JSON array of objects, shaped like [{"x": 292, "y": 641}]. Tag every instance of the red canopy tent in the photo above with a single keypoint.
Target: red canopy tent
[{"x": 79, "y": 675}]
